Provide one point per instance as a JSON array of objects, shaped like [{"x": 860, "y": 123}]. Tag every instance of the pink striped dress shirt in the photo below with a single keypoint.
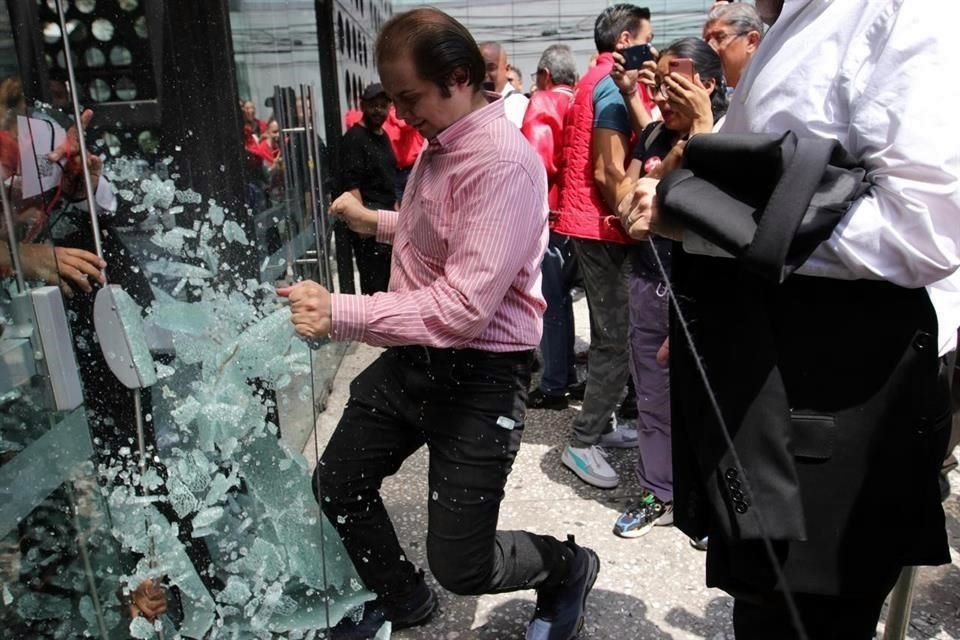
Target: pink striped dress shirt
[{"x": 467, "y": 246}]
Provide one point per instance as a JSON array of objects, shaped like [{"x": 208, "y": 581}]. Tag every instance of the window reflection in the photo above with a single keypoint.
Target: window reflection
[
  {"x": 102, "y": 29},
  {"x": 140, "y": 27},
  {"x": 51, "y": 33},
  {"x": 120, "y": 56},
  {"x": 99, "y": 90},
  {"x": 77, "y": 31},
  {"x": 94, "y": 57},
  {"x": 126, "y": 89},
  {"x": 62, "y": 61},
  {"x": 148, "y": 142}
]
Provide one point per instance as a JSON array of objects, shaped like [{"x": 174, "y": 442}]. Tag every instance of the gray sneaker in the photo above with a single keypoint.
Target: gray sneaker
[
  {"x": 590, "y": 464},
  {"x": 622, "y": 437}
]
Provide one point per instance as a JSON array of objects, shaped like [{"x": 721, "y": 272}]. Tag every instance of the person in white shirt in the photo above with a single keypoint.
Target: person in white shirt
[
  {"x": 495, "y": 60},
  {"x": 831, "y": 371}
]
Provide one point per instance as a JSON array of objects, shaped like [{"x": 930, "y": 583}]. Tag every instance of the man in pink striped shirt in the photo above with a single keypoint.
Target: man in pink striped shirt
[{"x": 461, "y": 317}]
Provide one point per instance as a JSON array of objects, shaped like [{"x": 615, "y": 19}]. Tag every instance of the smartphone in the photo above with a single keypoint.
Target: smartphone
[
  {"x": 683, "y": 66},
  {"x": 636, "y": 55}
]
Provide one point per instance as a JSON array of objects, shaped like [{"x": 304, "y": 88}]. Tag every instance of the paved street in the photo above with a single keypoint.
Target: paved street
[{"x": 648, "y": 589}]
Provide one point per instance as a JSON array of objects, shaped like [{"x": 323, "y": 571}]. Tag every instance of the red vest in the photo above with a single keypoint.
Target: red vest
[
  {"x": 543, "y": 127},
  {"x": 583, "y": 213}
]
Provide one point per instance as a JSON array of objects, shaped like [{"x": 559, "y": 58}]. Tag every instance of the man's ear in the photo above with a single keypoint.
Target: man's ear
[
  {"x": 458, "y": 77},
  {"x": 623, "y": 40},
  {"x": 753, "y": 41}
]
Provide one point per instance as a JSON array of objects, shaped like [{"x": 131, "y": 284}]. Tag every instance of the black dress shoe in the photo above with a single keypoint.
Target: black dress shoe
[
  {"x": 577, "y": 391},
  {"x": 540, "y": 400}
]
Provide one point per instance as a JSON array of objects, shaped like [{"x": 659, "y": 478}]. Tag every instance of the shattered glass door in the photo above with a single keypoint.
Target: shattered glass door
[
  {"x": 59, "y": 564},
  {"x": 176, "y": 501}
]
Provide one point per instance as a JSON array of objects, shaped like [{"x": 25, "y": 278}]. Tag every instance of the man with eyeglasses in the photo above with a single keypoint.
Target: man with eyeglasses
[{"x": 734, "y": 30}]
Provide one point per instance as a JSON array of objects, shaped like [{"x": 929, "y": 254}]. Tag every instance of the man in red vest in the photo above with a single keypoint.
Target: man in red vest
[{"x": 596, "y": 145}]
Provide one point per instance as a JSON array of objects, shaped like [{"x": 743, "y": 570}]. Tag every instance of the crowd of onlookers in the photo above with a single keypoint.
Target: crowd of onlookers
[{"x": 596, "y": 133}]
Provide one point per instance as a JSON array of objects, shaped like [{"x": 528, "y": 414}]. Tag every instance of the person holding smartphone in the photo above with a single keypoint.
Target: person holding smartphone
[{"x": 697, "y": 101}]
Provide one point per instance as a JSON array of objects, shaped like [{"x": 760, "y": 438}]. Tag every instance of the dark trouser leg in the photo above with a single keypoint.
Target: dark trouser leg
[
  {"x": 763, "y": 617},
  {"x": 649, "y": 327},
  {"x": 950, "y": 463},
  {"x": 556, "y": 345},
  {"x": 473, "y": 431},
  {"x": 344, "y": 256},
  {"x": 373, "y": 262},
  {"x": 374, "y": 437},
  {"x": 603, "y": 265}
]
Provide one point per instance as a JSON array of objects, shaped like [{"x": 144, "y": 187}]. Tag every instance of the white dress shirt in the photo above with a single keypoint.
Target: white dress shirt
[
  {"x": 515, "y": 104},
  {"x": 879, "y": 76}
]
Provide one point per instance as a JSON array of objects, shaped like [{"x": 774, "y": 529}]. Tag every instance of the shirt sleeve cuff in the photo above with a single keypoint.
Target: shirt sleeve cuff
[
  {"x": 348, "y": 317},
  {"x": 386, "y": 225}
]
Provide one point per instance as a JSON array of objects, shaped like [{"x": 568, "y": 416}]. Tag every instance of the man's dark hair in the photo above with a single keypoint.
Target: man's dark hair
[
  {"x": 442, "y": 50},
  {"x": 613, "y": 21}
]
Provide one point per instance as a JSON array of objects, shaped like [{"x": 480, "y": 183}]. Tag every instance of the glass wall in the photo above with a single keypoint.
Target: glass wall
[{"x": 154, "y": 398}]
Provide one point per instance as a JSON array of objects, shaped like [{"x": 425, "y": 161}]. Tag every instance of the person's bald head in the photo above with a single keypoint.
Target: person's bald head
[{"x": 495, "y": 61}]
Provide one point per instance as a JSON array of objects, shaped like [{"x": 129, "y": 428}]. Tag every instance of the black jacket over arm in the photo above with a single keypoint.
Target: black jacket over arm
[{"x": 831, "y": 389}]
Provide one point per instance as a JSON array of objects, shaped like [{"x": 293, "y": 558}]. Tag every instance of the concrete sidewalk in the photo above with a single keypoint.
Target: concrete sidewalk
[{"x": 651, "y": 588}]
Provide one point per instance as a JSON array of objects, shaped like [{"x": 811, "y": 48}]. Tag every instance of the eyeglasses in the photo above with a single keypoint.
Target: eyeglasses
[
  {"x": 536, "y": 74},
  {"x": 722, "y": 38},
  {"x": 660, "y": 90}
]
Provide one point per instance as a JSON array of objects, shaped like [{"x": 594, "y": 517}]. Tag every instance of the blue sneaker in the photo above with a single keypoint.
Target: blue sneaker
[
  {"x": 641, "y": 516},
  {"x": 560, "y": 611}
]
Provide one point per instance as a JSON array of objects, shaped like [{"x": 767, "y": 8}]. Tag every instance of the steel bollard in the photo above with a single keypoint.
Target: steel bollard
[{"x": 901, "y": 603}]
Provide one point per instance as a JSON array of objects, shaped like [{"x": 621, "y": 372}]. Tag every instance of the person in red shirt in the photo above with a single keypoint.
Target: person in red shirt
[{"x": 543, "y": 127}]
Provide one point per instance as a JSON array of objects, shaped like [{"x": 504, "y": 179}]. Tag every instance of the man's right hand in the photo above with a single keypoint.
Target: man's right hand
[
  {"x": 357, "y": 216},
  {"x": 629, "y": 80},
  {"x": 625, "y": 79},
  {"x": 73, "y": 266}
]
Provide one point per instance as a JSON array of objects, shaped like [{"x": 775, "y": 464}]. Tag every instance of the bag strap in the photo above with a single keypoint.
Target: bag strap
[{"x": 788, "y": 204}]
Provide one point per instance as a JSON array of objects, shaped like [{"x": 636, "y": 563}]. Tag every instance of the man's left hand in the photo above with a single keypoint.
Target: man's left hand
[
  {"x": 310, "y": 308},
  {"x": 640, "y": 215}
]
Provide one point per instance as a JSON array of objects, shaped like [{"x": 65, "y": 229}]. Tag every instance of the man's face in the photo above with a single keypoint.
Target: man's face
[
  {"x": 735, "y": 49},
  {"x": 249, "y": 111},
  {"x": 419, "y": 102},
  {"x": 514, "y": 79},
  {"x": 495, "y": 62},
  {"x": 375, "y": 111}
]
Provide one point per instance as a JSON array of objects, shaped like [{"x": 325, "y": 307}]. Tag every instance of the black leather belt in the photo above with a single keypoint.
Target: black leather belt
[{"x": 422, "y": 355}]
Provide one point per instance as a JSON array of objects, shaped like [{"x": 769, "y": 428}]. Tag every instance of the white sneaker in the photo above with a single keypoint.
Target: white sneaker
[{"x": 591, "y": 466}]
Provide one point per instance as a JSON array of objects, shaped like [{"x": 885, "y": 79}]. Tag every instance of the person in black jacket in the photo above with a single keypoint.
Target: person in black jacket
[
  {"x": 369, "y": 171},
  {"x": 818, "y": 281}
]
